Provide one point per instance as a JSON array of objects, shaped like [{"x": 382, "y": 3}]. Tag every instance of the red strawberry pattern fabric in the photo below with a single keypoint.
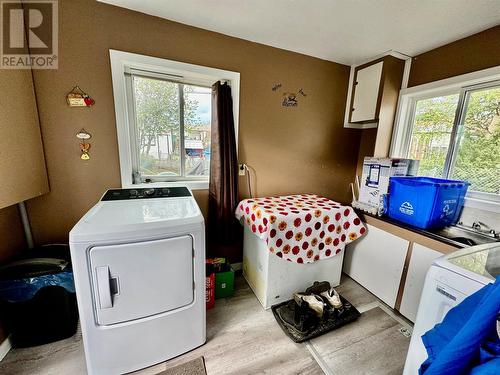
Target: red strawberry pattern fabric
[{"x": 301, "y": 228}]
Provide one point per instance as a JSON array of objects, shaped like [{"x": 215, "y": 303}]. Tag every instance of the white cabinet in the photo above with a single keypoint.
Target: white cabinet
[
  {"x": 372, "y": 102},
  {"x": 376, "y": 261},
  {"x": 366, "y": 93},
  {"x": 420, "y": 261}
]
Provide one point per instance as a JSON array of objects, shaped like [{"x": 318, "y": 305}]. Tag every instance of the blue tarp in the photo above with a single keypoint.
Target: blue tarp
[
  {"x": 24, "y": 289},
  {"x": 466, "y": 342}
]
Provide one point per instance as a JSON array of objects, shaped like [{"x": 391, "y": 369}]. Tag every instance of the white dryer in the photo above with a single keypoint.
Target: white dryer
[
  {"x": 139, "y": 266},
  {"x": 448, "y": 282}
]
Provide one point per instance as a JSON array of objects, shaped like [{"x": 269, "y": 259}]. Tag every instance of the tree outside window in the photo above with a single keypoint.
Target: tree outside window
[
  {"x": 468, "y": 136},
  {"x": 172, "y": 127}
]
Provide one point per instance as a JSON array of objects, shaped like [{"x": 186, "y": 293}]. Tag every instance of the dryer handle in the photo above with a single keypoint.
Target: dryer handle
[{"x": 103, "y": 287}]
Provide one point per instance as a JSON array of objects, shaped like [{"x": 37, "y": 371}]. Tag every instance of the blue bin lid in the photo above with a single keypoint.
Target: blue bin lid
[{"x": 424, "y": 180}]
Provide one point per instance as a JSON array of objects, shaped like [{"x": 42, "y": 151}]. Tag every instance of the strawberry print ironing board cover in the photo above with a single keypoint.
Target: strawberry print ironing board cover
[{"x": 301, "y": 228}]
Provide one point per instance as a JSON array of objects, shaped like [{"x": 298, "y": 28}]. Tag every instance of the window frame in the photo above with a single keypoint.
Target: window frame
[
  {"x": 462, "y": 85},
  {"x": 123, "y": 66},
  {"x": 131, "y": 105}
]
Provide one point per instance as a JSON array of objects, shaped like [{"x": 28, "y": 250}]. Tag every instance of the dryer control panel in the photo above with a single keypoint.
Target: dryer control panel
[{"x": 145, "y": 193}]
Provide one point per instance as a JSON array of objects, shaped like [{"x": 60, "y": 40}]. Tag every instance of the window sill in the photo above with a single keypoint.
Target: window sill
[
  {"x": 482, "y": 204},
  {"x": 192, "y": 185}
]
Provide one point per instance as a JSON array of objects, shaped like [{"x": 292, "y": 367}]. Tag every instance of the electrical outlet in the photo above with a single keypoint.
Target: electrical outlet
[{"x": 241, "y": 169}]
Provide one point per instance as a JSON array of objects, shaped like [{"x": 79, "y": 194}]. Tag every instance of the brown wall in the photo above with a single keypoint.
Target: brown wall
[
  {"x": 476, "y": 52},
  {"x": 293, "y": 150}
]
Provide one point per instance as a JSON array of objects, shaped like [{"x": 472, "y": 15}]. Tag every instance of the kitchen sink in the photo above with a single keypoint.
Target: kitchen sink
[{"x": 464, "y": 236}]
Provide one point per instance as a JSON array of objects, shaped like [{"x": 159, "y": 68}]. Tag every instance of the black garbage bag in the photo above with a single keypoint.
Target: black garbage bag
[{"x": 37, "y": 297}]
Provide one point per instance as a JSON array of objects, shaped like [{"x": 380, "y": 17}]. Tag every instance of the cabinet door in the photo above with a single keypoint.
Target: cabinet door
[
  {"x": 376, "y": 262},
  {"x": 420, "y": 262},
  {"x": 366, "y": 93},
  {"x": 22, "y": 162}
]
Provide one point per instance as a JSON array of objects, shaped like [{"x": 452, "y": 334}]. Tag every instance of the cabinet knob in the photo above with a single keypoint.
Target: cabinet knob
[{"x": 352, "y": 109}]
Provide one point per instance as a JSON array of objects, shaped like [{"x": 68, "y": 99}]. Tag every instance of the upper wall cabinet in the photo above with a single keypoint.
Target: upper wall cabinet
[
  {"x": 366, "y": 99},
  {"x": 372, "y": 103},
  {"x": 374, "y": 94},
  {"x": 22, "y": 163}
]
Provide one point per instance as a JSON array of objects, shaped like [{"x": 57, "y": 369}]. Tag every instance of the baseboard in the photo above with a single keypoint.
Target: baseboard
[{"x": 5, "y": 346}]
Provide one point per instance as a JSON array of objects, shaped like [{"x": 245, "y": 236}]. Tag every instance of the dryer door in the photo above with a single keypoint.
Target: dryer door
[{"x": 132, "y": 281}]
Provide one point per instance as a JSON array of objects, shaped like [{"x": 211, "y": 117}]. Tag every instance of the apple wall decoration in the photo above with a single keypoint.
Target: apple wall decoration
[{"x": 79, "y": 98}]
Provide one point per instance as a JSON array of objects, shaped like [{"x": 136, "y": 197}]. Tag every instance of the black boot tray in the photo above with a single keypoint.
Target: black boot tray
[{"x": 349, "y": 314}]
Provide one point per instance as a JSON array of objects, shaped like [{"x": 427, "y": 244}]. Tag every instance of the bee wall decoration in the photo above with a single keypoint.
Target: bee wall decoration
[
  {"x": 84, "y": 136},
  {"x": 289, "y": 99}
]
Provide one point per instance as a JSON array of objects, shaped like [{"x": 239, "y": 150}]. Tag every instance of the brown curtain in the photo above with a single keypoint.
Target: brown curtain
[{"x": 224, "y": 231}]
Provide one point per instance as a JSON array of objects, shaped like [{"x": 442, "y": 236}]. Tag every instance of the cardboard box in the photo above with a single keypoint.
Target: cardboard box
[{"x": 376, "y": 174}]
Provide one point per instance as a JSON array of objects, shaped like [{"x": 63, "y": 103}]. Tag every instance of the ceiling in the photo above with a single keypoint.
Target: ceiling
[{"x": 344, "y": 31}]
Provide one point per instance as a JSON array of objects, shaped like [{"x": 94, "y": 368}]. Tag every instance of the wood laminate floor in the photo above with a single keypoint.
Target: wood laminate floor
[{"x": 243, "y": 338}]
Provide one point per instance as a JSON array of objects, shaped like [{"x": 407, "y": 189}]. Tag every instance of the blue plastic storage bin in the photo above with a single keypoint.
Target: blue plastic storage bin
[{"x": 426, "y": 202}]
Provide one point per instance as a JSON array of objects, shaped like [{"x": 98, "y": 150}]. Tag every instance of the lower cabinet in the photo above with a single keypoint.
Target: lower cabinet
[
  {"x": 420, "y": 261},
  {"x": 376, "y": 261}
]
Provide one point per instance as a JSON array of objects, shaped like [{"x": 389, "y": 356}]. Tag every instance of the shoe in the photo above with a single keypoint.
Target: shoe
[
  {"x": 318, "y": 287},
  {"x": 301, "y": 318},
  {"x": 333, "y": 298},
  {"x": 313, "y": 301}
]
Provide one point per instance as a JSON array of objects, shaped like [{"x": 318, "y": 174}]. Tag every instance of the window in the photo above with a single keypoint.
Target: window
[
  {"x": 431, "y": 133},
  {"x": 454, "y": 131},
  {"x": 477, "y": 143},
  {"x": 163, "y": 118},
  {"x": 171, "y": 128}
]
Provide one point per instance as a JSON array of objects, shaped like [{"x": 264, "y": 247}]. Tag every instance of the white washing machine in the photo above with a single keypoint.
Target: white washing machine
[
  {"x": 139, "y": 267},
  {"x": 449, "y": 281}
]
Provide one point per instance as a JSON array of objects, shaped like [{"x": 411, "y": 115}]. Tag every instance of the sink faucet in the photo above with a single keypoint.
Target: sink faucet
[{"x": 484, "y": 228}]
